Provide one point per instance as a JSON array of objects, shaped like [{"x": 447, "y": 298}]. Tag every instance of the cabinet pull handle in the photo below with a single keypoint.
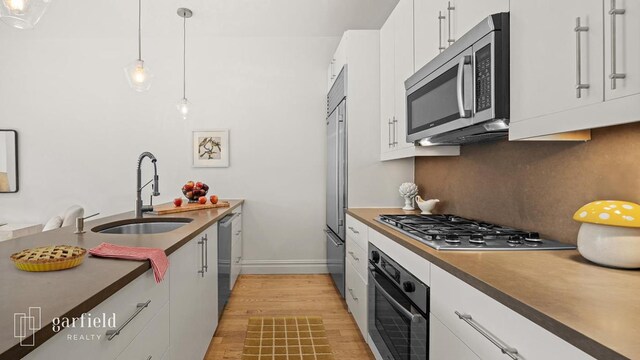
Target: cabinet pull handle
[
  {"x": 579, "y": 85},
  {"x": 238, "y": 259},
  {"x": 333, "y": 75},
  {"x": 450, "y": 8},
  {"x": 201, "y": 271},
  {"x": 239, "y": 232},
  {"x": 206, "y": 252},
  {"x": 505, "y": 349},
  {"x": 352, "y": 296},
  {"x": 354, "y": 230},
  {"x": 395, "y": 131},
  {"x": 139, "y": 307},
  {"x": 614, "y": 75},
  {"x": 353, "y": 256},
  {"x": 149, "y": 358},
  {"x": 389, "y": 136},
  {"x": 440, "y": 18}
]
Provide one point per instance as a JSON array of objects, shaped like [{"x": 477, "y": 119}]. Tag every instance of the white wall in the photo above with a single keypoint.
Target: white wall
[{"x": 81, "y": 128}]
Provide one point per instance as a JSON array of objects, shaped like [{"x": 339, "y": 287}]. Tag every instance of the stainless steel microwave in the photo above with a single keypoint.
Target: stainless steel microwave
[{"x": 462, "y": 95}]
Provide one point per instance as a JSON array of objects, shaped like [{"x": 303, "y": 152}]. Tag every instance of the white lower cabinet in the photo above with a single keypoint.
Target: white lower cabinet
[
  {"x": 356, "y": 297},
  {"x": 236, "y": 247},
  {"x": 194, "y": 295},
  {"x": 174, "y": 319},
  {"x": 81, "y": 343},
  {"x": 473, "y": 316},
  {"x": 444, "y": 345},
  {"x": 355, "y": 287},
  {"x": 153, "y": 341}
]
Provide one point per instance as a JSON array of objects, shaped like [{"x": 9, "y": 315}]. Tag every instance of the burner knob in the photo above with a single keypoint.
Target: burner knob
[
  {"x": 408, "y": 286},
  {"x": 533, "y": 235},
  {"x": 375, "y": 256}
]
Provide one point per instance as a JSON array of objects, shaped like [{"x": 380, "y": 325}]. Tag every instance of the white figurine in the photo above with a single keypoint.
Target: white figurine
[{"x": 408, "y": 191}]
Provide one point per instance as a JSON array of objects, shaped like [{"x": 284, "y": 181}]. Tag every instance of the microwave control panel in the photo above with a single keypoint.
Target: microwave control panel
[{"x": 483, "y": 78}]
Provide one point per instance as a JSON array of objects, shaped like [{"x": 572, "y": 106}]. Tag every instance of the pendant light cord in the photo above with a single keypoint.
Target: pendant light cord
[
  {"x": 184, "y": 57},
  {"x": 139, "y": 30}
]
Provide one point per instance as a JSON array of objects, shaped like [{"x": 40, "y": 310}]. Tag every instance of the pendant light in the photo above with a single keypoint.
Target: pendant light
[
  {"x": 137, "y": 73},
  {"x": 22, "y": 14},
  {"x": 183, "y": 105}
]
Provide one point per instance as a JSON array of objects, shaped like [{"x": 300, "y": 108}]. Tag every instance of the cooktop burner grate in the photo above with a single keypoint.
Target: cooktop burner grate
[{"x": 453, "y": 232}]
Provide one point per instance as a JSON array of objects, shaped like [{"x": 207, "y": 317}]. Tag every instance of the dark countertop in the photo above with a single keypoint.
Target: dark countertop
[
  {"x": 594, "y": 308},
  {"x": 71, "y": 292}
]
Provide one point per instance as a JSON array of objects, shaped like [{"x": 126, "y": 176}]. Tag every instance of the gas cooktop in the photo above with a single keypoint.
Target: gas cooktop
[{"x": 450, "y": 232}]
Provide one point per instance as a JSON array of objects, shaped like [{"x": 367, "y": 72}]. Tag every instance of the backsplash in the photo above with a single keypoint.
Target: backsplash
[{"x": 535, "y": 186}]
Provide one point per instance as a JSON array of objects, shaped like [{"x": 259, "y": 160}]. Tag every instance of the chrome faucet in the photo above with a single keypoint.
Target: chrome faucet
[{"x": 140, "y": 208}]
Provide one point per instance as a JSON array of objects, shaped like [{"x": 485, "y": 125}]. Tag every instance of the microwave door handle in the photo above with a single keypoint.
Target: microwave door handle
[{"x": 464, "y": 60}]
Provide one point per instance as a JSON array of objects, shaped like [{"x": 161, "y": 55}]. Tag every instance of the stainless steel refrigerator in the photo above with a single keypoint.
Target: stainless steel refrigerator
[{"x": 337, "y": 178}]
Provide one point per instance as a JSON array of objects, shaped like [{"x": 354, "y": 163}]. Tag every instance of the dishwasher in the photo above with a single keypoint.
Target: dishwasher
[{"x": 225, "y": 233}]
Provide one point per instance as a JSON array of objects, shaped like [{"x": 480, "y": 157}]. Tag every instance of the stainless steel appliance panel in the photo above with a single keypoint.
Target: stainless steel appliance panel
[
  {"x": 225, "y": 231},
  {"x": 336, "y": 260},
  {"x": 462, "y": 95},
  {"x": 398, "y": 310}
]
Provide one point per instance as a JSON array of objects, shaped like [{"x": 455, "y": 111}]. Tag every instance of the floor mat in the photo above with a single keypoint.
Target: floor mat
[{"x": 286, "y": 338}]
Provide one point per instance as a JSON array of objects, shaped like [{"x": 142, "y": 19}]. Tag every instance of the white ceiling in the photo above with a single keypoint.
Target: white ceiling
[{"x": 114, "y": 18}]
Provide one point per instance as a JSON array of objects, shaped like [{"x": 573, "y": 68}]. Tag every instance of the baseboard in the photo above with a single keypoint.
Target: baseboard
[{"x": 284, "y": 267}]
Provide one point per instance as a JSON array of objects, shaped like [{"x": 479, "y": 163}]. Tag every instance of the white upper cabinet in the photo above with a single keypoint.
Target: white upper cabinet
[
  {"x": 396, "y": 65},
  {"x": 338, "y": 60},
  {"x": 387, "y": 77},
  {"x": 427, "y": 31},
  {"x": 622, "y": 48},
  {"x": 465, "y": 14},
  {"x": 544, "y": 61},
  {"x": 581, "y": 70},
  {"x": 403, "y": 65}
]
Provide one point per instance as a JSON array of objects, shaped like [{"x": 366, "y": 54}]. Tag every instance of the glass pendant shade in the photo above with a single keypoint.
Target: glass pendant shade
[
  {"x": 183, "y": 107},
  {"x": 22, "y": 14},
  {"x": 138, "y": 75}
]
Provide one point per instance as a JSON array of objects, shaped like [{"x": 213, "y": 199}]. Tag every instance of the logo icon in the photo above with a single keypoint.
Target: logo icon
[{"x": 25, "y": 326}]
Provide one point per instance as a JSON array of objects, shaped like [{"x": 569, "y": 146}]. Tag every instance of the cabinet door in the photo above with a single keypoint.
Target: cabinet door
[
  {"x": 236, "y": 250},
  {"x": 403, "y": 65},
  {"x": 468, "y": 13},
  {"x": 209, "y": 297},
  {"x": 444, "y": 345},
  {"x": 387, "y": 98},
  {"x": 186, "y": 301},
  {"x": 627, "y": 48},
  {"x": 544, "y": 61},
  {"x": 427, "y": 36}
]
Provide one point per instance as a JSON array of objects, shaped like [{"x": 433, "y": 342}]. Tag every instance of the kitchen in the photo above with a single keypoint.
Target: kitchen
[{"x": 513, "y": 134}]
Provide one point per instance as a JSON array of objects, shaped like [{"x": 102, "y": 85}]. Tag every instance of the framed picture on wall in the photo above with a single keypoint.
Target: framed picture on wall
[{"x": 211, "y": 148}]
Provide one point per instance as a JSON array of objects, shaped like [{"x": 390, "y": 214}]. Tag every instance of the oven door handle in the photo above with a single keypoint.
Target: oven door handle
[
  {"x": 464, "y": 60},
  {"x": 408, "y": 314}
]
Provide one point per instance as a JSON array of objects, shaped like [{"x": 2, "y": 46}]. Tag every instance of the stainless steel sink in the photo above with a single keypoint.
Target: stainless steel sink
[{"x": 142, "y": 226}]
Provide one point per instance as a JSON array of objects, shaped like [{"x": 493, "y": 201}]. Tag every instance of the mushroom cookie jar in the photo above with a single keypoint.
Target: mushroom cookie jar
[{"x": 610, "y": 233}]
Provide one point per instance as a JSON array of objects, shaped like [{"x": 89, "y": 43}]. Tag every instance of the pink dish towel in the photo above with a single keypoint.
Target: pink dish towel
[{"x": 159, "y": 260}]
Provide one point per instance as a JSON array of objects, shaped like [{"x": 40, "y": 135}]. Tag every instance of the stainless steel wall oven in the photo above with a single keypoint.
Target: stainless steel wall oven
[{"x": 398, "y": 310}]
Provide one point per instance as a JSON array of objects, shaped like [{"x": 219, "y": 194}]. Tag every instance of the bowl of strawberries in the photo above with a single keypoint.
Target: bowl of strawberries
[{"x": 195, "y": 190}]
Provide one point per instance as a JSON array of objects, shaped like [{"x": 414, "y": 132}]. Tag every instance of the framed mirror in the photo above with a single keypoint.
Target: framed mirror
[{"x": 8, "y": 161}]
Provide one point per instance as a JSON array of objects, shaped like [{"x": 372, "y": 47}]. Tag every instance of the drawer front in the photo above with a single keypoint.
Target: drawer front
[
  {"x": 444, "y": 345},
  {"x": 358, "y": 258},
  {"x": 409, "y": 260},
  {"x": 356, "y": 295},
  {"x": 92, "y": 343},
  {"x": 153, "y": 341},
  {"x": 450, "y": 295},
  {"x": 358, "y": 232}
]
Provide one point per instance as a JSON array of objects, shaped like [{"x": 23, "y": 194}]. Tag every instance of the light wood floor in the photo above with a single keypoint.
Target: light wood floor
[{"x": 287, "y": 295}]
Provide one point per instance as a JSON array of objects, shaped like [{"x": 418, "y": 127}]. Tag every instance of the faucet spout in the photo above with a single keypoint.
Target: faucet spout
[{"x": 139, "y": 207}]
